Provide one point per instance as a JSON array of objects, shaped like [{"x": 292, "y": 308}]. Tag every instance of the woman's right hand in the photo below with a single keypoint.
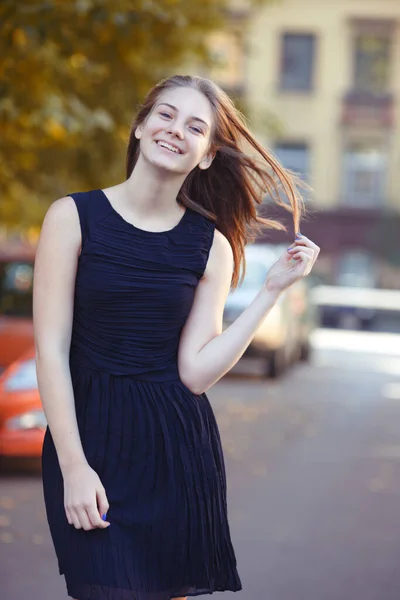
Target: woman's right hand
[{"x": 85, "y": 499}]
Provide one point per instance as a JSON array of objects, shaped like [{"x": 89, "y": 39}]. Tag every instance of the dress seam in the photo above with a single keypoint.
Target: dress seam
[{"x": 129, "y": 375}]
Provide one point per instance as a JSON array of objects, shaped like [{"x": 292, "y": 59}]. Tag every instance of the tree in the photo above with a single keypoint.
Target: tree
[{"x": 72, "y": 73}]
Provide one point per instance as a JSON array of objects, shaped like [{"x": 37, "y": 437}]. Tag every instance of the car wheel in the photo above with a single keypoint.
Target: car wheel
[
  {"x": 276, "y": 364},
  {"x": 305, "y": 351}
]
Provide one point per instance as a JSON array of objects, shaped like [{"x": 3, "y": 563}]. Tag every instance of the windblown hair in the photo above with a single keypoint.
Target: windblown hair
[{"x": 241, "y": 175}]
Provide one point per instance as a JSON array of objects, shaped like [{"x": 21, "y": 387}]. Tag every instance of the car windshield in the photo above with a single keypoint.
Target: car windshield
[
  {"x": 16, "y": 280},
  {"x": 256, "y": 272}
]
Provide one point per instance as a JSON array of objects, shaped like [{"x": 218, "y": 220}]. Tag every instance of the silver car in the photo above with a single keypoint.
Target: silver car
[{"x": 284, "y": 335}]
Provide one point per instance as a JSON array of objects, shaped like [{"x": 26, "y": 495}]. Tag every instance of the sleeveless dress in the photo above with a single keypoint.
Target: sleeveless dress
[{"x": 154, "y": 444}]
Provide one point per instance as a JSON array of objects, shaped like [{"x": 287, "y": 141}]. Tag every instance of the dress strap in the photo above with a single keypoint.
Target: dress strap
[
  {"x": 92, "y": 208},
  {"x": 81, "y": 200}
]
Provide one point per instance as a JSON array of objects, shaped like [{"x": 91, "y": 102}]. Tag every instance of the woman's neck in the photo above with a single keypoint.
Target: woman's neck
[{"x": 150, "y": 190}]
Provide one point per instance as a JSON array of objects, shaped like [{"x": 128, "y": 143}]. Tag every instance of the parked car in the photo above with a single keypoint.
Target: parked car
[
  {"x": 16, "y": 282},
  {"x": 354, "y": 307},
  {"x": 22, "y": 420},
  {"x": 284, "y": 336}
]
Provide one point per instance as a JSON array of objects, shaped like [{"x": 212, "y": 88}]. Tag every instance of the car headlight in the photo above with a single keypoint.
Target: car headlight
[
  {"x": 34, "y": 419},
  {"x": 24, "y": 378}
]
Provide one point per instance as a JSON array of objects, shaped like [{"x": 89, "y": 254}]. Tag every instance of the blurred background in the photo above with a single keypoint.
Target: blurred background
[{"x": 310, "y": 417}]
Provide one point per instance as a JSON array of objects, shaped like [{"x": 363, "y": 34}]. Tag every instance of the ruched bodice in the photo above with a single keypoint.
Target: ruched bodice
[
  {"x": 154, "y": 444},
  {"x": 129, "y": 322}
]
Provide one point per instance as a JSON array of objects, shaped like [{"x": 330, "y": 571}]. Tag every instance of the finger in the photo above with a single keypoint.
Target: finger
[
  {"x": 303, "y": 258},
  {"x": 75, "y": 519},
  {"x": 295, "y": 252},
  {"x": 102, "y": 502},
  {"x": 95, "y": 518},
  {"x": 304, "y": 262},
  {"x": 84, "y": 519},
  {"x": 302, "y": 240},
  {"x": 305, "y": 245},
  {"x": 306, "y": 254},
  {"x": 303, "y": 255},
  {"x": 68, "y": 515}
]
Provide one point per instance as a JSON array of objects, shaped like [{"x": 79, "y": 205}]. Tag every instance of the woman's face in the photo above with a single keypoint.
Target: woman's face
[{"x": 177, "y": 133}]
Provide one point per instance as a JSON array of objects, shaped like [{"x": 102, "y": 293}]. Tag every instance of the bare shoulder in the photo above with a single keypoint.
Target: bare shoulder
[
  {"x": 61, "y": 225},
  {"x": 62, "y": 212},
  {"x": 221, "y": 244},
  {"x": 221, "y": 255}
]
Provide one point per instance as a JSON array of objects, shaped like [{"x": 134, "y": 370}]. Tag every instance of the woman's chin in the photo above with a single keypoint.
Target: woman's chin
[{"x": 168, "y": 166}]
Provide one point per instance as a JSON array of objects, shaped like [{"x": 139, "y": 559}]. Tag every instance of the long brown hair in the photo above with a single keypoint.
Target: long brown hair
[{"x": 240, "y": 176}]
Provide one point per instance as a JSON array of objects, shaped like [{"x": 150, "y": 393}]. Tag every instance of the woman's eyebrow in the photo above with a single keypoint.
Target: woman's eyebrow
[{"x": 174, "y": 108}]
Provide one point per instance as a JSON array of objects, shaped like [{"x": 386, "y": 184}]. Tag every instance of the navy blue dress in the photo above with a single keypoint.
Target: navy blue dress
[{"x": 154, "y": 444}]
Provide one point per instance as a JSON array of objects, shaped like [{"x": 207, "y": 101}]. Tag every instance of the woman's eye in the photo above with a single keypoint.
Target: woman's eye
[
  {"x": 197, "y": 130},
  {"x": 165, "y": 115}
]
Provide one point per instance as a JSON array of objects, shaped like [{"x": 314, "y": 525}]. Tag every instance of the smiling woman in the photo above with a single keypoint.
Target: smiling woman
[
  {"x": 129, "y": 291},
  {"x": 212, "y": 134},
  {"x": 178, "y": 124}
]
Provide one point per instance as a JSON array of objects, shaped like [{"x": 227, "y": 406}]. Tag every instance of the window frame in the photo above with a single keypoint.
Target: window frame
[
  {"x": 304, "y": 176},
  {"x": 312, "y": 73},
  {"x": 356, "y": 76},
  {"x": 378, "y": 27},
  {"x": 351, "y": 199},
  {"x": 292, "y": 144}
]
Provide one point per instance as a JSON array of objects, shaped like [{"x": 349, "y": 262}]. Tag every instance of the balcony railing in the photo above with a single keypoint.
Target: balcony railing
[{"x": 368, "y": 109}]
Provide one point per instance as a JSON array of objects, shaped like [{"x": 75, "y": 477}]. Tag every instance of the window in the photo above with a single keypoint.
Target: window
[
  {"x": 297, "y": 62},
  {"x": 371, "y": 62},
  {"x": 364, "y": 175},
  {"x": 16, "y": 281},
  {"x": 295, "y": 157}
]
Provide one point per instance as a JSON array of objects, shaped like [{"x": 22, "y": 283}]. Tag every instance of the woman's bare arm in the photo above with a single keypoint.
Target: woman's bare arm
[
  {"x": 206, "y": 352},
  {"x": 53, "y": 301},
  {"x": 53, "y": 298}
]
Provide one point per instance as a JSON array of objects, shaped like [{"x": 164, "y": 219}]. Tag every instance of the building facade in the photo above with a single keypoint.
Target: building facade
[{"x": 321, "y": 85}]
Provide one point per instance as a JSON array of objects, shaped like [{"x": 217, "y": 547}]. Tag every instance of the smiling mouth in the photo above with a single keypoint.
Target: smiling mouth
[{"x": 169, "y": 147}]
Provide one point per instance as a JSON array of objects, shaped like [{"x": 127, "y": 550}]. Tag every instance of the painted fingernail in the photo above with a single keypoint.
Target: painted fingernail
[
  {"x": 298, "y": 234},
  {"x": 104, "y": 517}
]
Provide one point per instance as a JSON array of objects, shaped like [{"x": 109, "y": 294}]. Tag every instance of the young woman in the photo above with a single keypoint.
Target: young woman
[{"x": 130, "y": 286}]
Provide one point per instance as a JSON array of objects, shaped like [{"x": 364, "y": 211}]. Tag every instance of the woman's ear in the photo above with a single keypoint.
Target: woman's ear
[
  {"x": 206, "y": 162},
  {"x": 138, "y": 132}
]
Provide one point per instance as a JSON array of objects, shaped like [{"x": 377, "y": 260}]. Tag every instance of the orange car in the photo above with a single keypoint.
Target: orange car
[
  {"x": 22, "y": 420},
  {"x": 16, "y": 281}
]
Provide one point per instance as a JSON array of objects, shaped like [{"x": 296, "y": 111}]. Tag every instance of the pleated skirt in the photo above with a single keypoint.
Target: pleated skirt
[{"x": 157, "y": 450}]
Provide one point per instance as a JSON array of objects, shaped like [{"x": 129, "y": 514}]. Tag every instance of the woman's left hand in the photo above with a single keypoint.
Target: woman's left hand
[{"x": 295, "y": 264}]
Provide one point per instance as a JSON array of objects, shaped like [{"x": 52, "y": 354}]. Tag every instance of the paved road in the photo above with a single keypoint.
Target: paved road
[{"x": 314, "y": 481}]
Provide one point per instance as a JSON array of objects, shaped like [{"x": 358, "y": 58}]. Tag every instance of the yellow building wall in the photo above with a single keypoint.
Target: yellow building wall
[{"x": 314, "y": 117}]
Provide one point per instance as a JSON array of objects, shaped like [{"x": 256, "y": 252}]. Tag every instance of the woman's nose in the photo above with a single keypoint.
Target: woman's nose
[{"x": 175, "y": 129}]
